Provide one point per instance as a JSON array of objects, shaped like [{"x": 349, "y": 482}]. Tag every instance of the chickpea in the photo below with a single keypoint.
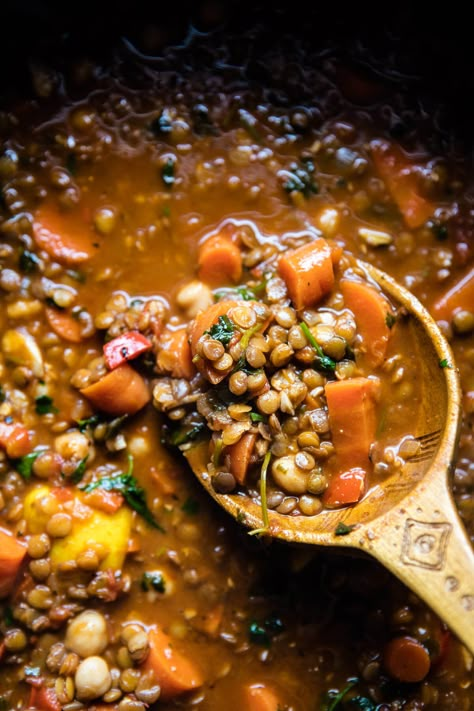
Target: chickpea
[
  {"x": 92, "y": 678},
  {"x": 87, "y": 634},
  {"x": 105, "y": 220},
  {"x": 288, "y": 476},
  {"x": 72, "y": 445},
  {"x": 194, "y": 297}
]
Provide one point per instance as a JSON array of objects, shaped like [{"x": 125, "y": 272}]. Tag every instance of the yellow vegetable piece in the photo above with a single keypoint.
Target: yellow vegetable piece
[{"x": 91, "y": 529}]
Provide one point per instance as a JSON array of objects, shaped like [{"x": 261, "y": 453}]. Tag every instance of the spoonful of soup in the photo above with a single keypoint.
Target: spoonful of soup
[{"x": 325, "y": 410}]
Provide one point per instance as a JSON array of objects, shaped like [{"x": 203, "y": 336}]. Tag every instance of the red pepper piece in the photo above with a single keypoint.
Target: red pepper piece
[{"x": 125, "y": 347}]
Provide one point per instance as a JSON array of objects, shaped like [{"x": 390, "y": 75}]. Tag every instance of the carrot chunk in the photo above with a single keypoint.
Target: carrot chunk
[
  {"x": 64, "y": 325},
  {"x": 240, "y": 454},
  {"x": 459, "y": 297},
  {"x": 174, "y": 355},
  {"x": 308, "y": 272},
  {"x": 352, "y": 417},
  {"x": 373, "y": 314},
  {"x": 406, "y": 659},
  {"x": 14, "y": 439},
  {"x": 219, "y": 259},
  {"x": 107, "y": 501},
  {"x": 44, "y": 699},
  {"x": 174, "y": 672},
  {"x": 62, "y": 236},
  {"x": 398, "y": 172},
  {"x": 12, "y": 552},
  {"x": 258, "y": 697},
  {"x": 346, "y": 488},
  {"x": 123, "y": 391}
]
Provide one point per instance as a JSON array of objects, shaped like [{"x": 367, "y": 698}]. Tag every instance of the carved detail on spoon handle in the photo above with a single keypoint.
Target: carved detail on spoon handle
[{"x": 433, "y": 557}]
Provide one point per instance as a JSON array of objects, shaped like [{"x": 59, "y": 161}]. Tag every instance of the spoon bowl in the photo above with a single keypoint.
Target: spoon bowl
[{"x": 409, "y": 522}]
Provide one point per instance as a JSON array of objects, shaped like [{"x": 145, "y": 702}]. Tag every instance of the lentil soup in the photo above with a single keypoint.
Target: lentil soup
[{"x": 155, "y": 214}]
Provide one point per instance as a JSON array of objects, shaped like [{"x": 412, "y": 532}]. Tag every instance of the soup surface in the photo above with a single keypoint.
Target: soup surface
[{"x": 138, "y": 195}]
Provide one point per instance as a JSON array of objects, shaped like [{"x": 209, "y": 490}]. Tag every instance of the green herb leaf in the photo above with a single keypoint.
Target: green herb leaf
[
  {"x": 80, "y": 470},
  {"x": 28, "y": 262},
  {"x": 182, "y": 435},
  {"x": 128, "y": 486},
  {"x": 322, "y": 361},
  {"x": 167, "y": 173},
  {"x": 334, "y": 699},
  {"x": 258, "y": 634},
  {"x": 24, "y": 465},
  {"x": 444, "y": 363},
  {"x": 190, "y": 506},
  {"x": 44, "y": 405},
  {"x": 88, "y": 422},
  {"x": 263, "y": 497},
  {"x": 256, "y": 417},
  {"x": 300, "y": 178},
  {"x": 222, "y": 331},
  {"x": 390, "y": 320},
  {"x": 8, "y": 618},
  {"x": 241, "y": 516},
  {"x": 343, "y": 529},
  {"x": 153, "y": 580}
]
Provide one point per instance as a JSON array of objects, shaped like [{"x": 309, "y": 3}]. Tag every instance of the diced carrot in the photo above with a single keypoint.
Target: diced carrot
[
  {"x": 106, "y": 501},
  {"x": 14, "y": 439},
  {"x": 460, "y": 296},
  {"x": 174, "y": 354},
  {"x": 258, "y": 697},
  {"x": 407, "y": 660},
  {"x": 240, "y": 454},
  {"x": 398, "y": 171},
  {"x": 125, "y": 347},
  {"x": 62, "y": 493},
  {"x": 12, "y": 552},
  {"x": 164, "y": 481},
  {"x": 64, "y": 325},
  {"x": 123, "y": 391},
  {"x": 346, "y": 488},
  {"x": 63, "y": 236},
  {"x": 372, "y": 313},
  {"x": 352, "y": 419},
  {"x": 43, "y": 698},
  {"x": 308, "y": 272},
  {"x": 209, "y": 622},
  {"x": 219, "y": 259},
  {"x": 174, "y": 672}
]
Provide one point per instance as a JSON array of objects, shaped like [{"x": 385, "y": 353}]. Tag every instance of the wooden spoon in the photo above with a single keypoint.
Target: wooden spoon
[{"x": 409, "y": 522}]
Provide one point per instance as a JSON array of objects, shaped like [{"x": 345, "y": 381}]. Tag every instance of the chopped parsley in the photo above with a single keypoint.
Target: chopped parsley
[
  {"x": 256, "y": 417},
  {"x": 300, "y": 178},
  {"x": 222, "y": 331},
  {"x": 79, "y": 471},
  {"x": 8, "y": 618},
  {"x": 390, "y": 320},
  {"x": 321, "y": 360},
  {"x": 88, "y": 422},
  {"x": 444, "y": 363},
  {"x": 343, "y": 529},
  {"x": 128, "y": 486},
  {"x": 190, "y": 506},
  {"x": 28, "y": 262},
  {"x": 258, "y": 634},
  {"x": 153, "y": 580},
  {"x": 44, "y": 405},
  {"x": 167, "y": 173},
  {"x": 24, "y": 465},
  {"x": 175, "y": 437}
]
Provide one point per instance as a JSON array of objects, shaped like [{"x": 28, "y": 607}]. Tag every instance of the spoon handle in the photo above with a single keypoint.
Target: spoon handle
[{"x": 428, "y": 549}]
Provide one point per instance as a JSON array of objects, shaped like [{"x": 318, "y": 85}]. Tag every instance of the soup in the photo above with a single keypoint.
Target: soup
[{"x": 123, "y": 586}]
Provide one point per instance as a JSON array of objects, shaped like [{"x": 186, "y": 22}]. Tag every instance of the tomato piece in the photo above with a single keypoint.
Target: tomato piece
[{"x": 125, "y": 347}]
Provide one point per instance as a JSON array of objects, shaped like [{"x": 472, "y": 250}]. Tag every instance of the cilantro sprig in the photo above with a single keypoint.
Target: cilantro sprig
[
  {"x": 321, "y": 360},
  {"x": 127, "y": 485}
]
